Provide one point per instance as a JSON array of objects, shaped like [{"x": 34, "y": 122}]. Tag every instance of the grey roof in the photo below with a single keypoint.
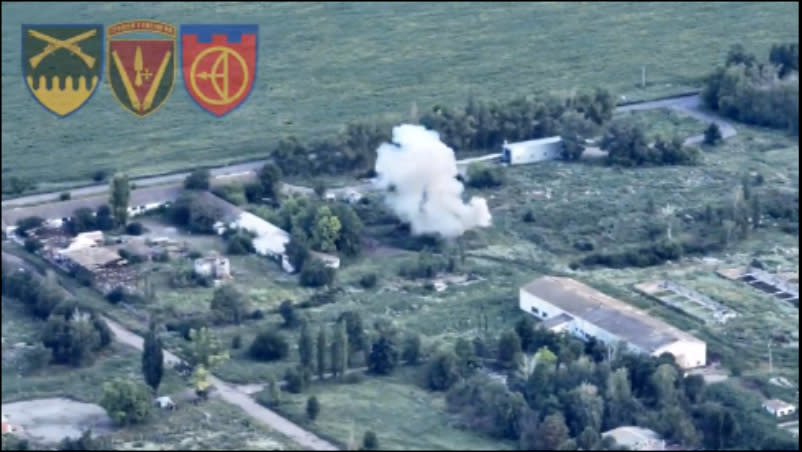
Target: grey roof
[
  {"x": 64, "y": 209},
  {"x": 556, "y": 321},
  {"x": 586, "y": 303}
]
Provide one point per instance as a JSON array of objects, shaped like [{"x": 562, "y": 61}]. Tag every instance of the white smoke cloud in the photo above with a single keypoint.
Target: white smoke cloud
[{"x": 418, "y": 172}]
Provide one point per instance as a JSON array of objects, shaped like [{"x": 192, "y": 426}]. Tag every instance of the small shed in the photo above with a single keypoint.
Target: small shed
[
  {"x": 532, "y": 151},
  {"x": 778, "y": 408}
]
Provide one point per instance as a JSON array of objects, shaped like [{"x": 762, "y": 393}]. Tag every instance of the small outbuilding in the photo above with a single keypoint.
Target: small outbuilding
[{"x": 532, "y": 151}]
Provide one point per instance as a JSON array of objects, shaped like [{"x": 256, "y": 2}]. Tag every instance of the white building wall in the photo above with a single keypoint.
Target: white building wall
[
  {"x": 688, "y": 354},
  {"x": 578, "y": 327},
  {"x": 518, "y": 154}
]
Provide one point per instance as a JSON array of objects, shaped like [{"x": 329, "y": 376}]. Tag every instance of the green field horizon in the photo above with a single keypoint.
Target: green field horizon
[{"x": 321, "y": 66}]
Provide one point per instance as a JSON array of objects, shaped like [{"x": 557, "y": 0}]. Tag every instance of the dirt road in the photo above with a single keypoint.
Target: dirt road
[{"x": 233, "y": 396}]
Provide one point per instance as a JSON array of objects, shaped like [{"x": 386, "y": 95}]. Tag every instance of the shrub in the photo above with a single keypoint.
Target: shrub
[
  {"x": 26, "y": 224},
  {"x": 229, "y": 304},
  {"x": 442, "y": 372},
  {"x": 131, "y": 257},
  {"x": 32, "y": 245},
  {"x": 240, "y": 242},
  {"x": 295, "y": 381},
  {"x": 236, "y": 341},
  {"x": 99, "y": 175},
  {"x": 65, "y": 196},
  {"x": 116, "y": 295},
  {"x": 197, "y": 180},
  {"x": 312, "y": 408},
  {"x": 368, "y": 281},
  {"x": 134, "y": 228},
  {"x": 370, "y": 441},
  {"x": 288, "y": 313},
  {"x": 269, "y": 346},
  {"x": 529, "y": 216},
  {"x": 126, "y": 402},
  {"x": 315, "y": 273},
  {"x": 480, "y": 176},
  {"x": 161, "y": 256}
]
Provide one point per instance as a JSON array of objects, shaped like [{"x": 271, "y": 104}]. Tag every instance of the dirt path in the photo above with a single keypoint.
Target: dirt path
[{"x": 233, "y": 396}]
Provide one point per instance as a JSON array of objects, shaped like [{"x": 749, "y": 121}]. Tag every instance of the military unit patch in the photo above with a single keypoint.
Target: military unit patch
[{"x": 62, "y": 64}]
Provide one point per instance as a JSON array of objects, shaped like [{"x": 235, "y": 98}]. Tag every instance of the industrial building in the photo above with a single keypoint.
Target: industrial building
[
  {"x": 568, "y": 305},
  {"x": 636, "y": 438},
  {"x": 532, "y": 151}
]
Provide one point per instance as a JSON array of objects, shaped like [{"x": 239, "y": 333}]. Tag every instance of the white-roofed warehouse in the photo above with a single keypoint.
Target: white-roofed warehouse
[{"x": 568, "y": 305}]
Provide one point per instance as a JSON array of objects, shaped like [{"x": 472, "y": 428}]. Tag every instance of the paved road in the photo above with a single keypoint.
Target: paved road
[
  {"x": 689, "y": 105},
  {"x": 231, "y": 395}
]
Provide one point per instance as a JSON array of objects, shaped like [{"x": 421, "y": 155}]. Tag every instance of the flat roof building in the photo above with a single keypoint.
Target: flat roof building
[{"x": 568, "y": 305}]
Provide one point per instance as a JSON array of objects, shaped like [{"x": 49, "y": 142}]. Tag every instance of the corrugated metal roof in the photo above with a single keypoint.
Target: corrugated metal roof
[
  {"x": 586, "y": 303},
  {"x": 531, "y": 143}
]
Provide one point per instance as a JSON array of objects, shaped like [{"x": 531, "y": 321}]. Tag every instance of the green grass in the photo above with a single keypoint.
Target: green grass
[
  {"x": 323, "y": 65},
  {"x": 664, "y": 122},
  {"x": 403, "y": 416}
]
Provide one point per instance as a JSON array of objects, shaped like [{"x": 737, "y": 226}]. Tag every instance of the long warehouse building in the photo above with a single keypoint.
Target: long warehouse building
[{"x": 568, "y": 305}]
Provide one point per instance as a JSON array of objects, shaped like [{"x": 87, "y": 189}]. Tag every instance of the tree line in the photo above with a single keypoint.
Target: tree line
[
  {"x": 764, "y": 93},
  {"x": 478, "y": 126}
]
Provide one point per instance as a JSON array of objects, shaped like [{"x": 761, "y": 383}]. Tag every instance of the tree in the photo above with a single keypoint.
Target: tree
[
  {"x": 664, "y": 380},
  {"x": 466, "y": 357},
  {"x": 72, "y": 336},
  {"x": 203, "y": 353},
  {"x": 229, "y": 304},
  {"x": 119, "y": 196},
  {"x": 597, "y": 107},
  {"x": 509, "y": 349},
  {"x": 320, "y": 189},
  {"x": 339, "y": 350},
  {"x": 275, "y": 392},
  {"x": 240, "y": 242},
  {"x": 327, "y": 230},
  {"x": 383, "y": 355},
  {"x": 552, "y": 432},
  {"x": 621, "y": 405},
  {"x": 574, "y": 128},
  {"x": 349, "y": 241},
  {"x": 32, "y": 245},
  {"x": 103, "y": 218},
  {"x": 482, "y": 176},
  {"x": 315, "y": 273},
  {"x": 588, "y": 439},
  {"x": 270, "y": 181},
  {"x": 134, "y": 228},
  {"x": 197, "y": 180},
  {"x": 585, "y": 409},
  {"x": 442, "y": 372},
  {"x": 321, "y": 353},
  {"x": 786, "y": 56},
  {"x": 37, "y": 358},
  {"x": 370, "y": 441},
  {"x": 525, "y": 328},
  {"x": 713, "y": 134},
  {"x": 288, "y": 314},
  {"x": 152, "y": 359},
  {"x": 297, "y": 251},
  {"x": 312, "y": 408},
  {"x": 126, "y": 402},
  {"x": 411, "y": 351},
  {"x": 306, "y": 348},
  {"x": 28, "y": 224},
  {"x": 269, "y": 346},
  {"x": 356, "y": 332}
]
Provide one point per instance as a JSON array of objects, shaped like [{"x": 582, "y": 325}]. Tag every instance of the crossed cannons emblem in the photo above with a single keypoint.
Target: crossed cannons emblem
[{"x": 54, "y": 44}]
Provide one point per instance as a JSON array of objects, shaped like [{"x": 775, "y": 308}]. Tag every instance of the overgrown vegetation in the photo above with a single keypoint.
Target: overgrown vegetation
[{"x": 758, "y": 92}]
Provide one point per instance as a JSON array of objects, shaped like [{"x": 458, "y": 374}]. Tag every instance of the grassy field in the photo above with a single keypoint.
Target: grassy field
[
  {"x": 321, "y": 65},
  {"x": 212, "y": 425},
  {"x": 403, "y": 416}
]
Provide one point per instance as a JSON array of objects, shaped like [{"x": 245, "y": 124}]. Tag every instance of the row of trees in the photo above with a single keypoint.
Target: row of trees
[
  {"x": 757, "y": 92},
  {"x": 627, "y": 145},
  {"x": 73, "y": 334},
  {"x": 562, "y": 393},
  {"x": 476, "y": 126}
]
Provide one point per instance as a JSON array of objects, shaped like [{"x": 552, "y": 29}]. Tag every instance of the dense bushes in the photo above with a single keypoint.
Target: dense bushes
[
  {"x": 476, "y": 126},
  {"x": 126, "y": 402},
  {"x": 75, "y": 334},
  {"x": 269, "y": 346},
  {"x": 755, "y": 92},
  {"x": 315, "y": 273},
  {"x": 195, "y": 212},
  {"x": 480, "y": 176},
  {"x": 134, "y": 228},
  {"x": 627, "y": 145}
]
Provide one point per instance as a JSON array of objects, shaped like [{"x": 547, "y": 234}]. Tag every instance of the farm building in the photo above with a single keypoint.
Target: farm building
[
  {"x": 213, "y": 265},
  {"x": 778, "y": 408},
  {"x": 636, "y": 438},
  {"x": 532, "y": 151},
  {"x": 568, "y": 305}
]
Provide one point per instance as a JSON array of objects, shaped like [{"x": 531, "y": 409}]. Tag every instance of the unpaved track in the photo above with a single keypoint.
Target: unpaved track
[{"x": 231, "y": 395}]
